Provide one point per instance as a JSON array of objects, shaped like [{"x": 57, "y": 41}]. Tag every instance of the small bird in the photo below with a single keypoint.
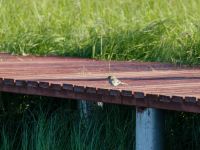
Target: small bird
[{"x": 114, "y": 81}]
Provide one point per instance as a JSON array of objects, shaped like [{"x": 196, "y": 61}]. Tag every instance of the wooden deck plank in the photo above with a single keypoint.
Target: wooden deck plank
[{"x": 173, "y": 87}]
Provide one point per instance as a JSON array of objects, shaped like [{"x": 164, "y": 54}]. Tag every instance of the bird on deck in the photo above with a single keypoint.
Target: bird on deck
[{"x": 114, "y": 81}]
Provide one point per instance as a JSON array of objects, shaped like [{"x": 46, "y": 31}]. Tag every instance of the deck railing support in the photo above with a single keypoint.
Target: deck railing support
[{"x": 149, "y": 129}]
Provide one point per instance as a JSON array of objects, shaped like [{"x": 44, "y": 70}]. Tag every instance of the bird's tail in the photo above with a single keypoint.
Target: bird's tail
[{"x": 124, "y": 83}]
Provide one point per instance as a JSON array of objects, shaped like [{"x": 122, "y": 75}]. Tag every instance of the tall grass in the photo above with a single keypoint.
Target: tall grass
[
  {"x": 153, "y": 30},
  {"x": 60, "y": 129},
  {"x": 49, "y": 127}
]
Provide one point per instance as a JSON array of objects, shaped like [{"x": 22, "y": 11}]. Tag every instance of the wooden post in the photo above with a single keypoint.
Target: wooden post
[{"x": 149, "y": 129}]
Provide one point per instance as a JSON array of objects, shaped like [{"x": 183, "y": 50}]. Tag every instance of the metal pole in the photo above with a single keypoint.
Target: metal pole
[{"x": 149, "y": 129}]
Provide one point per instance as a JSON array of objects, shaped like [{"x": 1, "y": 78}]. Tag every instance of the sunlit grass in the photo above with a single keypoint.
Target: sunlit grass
[{"x": 154, "y": 30}]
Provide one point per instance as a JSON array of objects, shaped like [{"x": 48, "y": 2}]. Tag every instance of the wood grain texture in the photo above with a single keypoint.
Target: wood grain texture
[{"x": 158, "y": 85}]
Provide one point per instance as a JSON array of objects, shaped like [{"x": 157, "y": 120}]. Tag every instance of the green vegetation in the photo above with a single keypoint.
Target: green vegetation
[
  {"x": 47, "y": 124},
  {"x": 151, "y": 30}
]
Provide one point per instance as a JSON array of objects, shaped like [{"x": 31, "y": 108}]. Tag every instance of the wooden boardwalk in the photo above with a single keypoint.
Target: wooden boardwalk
[{"x": 154, "y": 85}]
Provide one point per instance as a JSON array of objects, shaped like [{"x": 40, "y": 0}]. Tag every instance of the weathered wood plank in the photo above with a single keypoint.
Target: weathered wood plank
[{"x": 157, "y": 85}]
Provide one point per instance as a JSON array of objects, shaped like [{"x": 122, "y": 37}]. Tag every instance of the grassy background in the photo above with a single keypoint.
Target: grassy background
[
  {"x": 152, "y": 30},
  {"x": 47, "y": 124}
]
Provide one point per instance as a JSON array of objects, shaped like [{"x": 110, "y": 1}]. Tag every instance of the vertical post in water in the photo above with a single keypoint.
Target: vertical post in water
[{"x": 149, "y": 129}]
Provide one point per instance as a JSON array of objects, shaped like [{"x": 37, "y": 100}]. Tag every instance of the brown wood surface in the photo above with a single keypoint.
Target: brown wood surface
[{"x": 156, "y": 85}]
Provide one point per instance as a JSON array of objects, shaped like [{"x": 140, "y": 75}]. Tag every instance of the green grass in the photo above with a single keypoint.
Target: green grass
[
  {"x": 48, "y": 124},
  {"x": 153, "y": 30}
]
